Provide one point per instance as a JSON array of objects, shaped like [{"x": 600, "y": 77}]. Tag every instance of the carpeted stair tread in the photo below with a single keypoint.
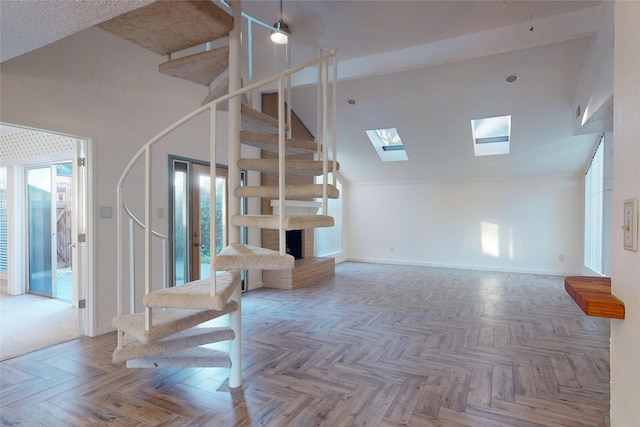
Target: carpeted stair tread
[
  {"x": 166, "y": 322},
  {"x": 237, "y": 256},
  {"x": 200, "y": 68},
  {"x": 221, "y": 90},
  {"x": 165, "y": 27},
  {"x": 294, "y": 167},
  {"x": 197, "y": 357},
  {"x": 196, "y": 295},
  {"x": 291, "y": 222},
  {"x": 269, "y": 141},
  {"x": 252, "y": 120},
  {"x": 272, "y": 191},
  {"x": 194, "y": 337}
]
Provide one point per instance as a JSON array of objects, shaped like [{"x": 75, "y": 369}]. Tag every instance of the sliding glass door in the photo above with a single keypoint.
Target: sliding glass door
[{"x": 49, "y": 233}]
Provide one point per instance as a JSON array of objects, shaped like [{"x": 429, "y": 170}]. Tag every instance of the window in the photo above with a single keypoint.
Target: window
[
  {"x": 593, "y": 211},
  {"x": 491, "y": 136},
  {"x": 387, "y": 144}
]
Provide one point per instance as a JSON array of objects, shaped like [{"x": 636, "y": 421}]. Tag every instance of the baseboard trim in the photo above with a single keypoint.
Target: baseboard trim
[{"x": 464, "y": 267}]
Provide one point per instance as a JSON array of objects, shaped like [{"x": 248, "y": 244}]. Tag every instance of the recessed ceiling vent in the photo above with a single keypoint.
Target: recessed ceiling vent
[{"x": 491, "y": 136}]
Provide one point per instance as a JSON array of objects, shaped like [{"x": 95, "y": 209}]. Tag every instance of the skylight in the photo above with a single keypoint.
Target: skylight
[
  {"x": 491, "y": 136},
  {"x": 387, "y": 144}
]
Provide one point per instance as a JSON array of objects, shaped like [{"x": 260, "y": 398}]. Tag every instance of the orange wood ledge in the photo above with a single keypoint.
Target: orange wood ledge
[{"x": 593, "y": 296}]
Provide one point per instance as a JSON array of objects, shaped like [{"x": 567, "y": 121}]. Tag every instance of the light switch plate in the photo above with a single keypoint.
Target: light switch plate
[
  {"x": 105, "y": 211},
  {"x": 630, "y": 224}
]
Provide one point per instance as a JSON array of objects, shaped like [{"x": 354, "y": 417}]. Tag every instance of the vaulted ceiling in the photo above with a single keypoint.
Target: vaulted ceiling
[{"x": 424, "y": 67}]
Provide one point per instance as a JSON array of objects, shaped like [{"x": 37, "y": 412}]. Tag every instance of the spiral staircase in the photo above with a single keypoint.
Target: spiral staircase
[{"x": 168, "y": 331}]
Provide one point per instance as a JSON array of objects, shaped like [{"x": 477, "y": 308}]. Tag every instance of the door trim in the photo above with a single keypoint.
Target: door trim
[
  {"x": 171, "y": 252},
  {"x": 84, "y": 254}
]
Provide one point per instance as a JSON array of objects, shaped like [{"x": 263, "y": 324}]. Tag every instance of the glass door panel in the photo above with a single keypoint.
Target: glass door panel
[
  {"x": 221, "y": 209},
  {"x": 180, "y": 224},
  {"x": 40, "y": 235},
  {"x": 201, "y": 224}
]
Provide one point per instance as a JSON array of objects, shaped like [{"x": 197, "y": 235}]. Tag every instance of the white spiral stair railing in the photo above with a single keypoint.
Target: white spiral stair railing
[{"x": 158, "y": 331}]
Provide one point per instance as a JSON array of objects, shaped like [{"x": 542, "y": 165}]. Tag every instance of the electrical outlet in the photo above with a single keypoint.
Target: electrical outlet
[{"x": 630, "y": 224}]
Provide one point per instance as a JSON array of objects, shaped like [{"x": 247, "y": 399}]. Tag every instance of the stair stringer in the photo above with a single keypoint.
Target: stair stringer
[{"x": 196, "y": 357}]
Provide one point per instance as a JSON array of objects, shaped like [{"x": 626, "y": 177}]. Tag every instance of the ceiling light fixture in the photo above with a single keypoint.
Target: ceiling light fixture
[
  {"x": 511, "y": 78},
  {"x": 281, "y": 33}
]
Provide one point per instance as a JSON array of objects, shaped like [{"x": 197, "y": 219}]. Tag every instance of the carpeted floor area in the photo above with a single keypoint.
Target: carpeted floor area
[{"x": 30, "y": 322}]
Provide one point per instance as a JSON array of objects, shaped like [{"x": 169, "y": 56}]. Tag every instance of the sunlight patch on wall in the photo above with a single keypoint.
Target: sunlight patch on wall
[
  {"x": 511, "y": 250},
  {"x": 490, "y": 239}
]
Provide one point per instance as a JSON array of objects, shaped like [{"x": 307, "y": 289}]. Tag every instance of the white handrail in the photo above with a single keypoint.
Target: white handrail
[
  {"x": 137, "y": 221},
  {"x": 214, "y": 104}
]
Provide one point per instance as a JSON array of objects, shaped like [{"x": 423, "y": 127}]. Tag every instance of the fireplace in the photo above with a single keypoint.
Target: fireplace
[{"x": 294, "y": 243}]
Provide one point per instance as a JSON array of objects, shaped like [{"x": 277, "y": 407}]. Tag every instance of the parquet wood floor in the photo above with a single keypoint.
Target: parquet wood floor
[{"x": 376, "y": 345}]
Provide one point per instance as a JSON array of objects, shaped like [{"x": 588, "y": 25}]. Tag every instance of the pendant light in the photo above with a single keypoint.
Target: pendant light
[{"x": 281, "y": 33}]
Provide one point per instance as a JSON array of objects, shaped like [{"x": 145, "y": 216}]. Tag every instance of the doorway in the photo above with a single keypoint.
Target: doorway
[
  {"x": 47, "y": 259},
  {"x": 190, "y": 224}
]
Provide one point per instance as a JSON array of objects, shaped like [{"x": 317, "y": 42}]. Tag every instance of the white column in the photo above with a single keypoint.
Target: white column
[
  {"x": 235, "y": 52},
  {"x": 235, "y": 318}
]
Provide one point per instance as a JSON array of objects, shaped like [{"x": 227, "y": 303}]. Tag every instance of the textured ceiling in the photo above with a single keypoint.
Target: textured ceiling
[
  {"x": 363, "y": 27},
  {"x": 29, "y": 25},
  {"x": 18, "y": 145}
]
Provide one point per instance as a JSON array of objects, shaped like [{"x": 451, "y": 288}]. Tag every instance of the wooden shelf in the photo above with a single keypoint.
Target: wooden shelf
[{"x": 593, "y": 296}]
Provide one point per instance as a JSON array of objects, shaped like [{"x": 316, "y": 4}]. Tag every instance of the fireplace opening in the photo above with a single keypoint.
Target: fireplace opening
[{"x": 294, "y": 243}]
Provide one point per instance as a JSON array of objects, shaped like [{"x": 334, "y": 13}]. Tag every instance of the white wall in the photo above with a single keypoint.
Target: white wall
[
  {"x": 625, "y": 278},
  {"x": 99, "y": 86},
  {"x": 518, "y": 225},
  {"x": 595, "y": 83}
]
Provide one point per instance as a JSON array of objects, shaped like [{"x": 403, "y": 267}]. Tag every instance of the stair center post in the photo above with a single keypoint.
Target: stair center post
[{"x": 235, "y": 317}]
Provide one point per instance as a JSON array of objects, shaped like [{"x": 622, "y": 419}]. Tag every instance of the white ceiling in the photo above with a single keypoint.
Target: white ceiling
[
  {"x": 26, "y": 25},
  {"x": 425, "y": 67}
]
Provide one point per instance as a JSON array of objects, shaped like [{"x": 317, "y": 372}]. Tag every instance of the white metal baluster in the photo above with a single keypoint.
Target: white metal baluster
[
  {"x": 250, "y": 49},
  {"x": 213, "y": 229},
  {"x": 132, "y": 268},
  {"x": 288, "y": 89},
  {"x": 318, "y": 108},
  {"x": 119, "y": 278},
  {"x": 334, "y": 119},
  {"x": 281, "y": 167},
  {"x": 147, "y": 235},
  {"x": 325, "y": 144},
  {"x": 164, "y": 263}
]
